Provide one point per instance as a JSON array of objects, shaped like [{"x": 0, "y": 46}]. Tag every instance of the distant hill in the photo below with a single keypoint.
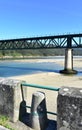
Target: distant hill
[
  {"x": 37, "y": 52},
  {"x": 77, "y": 51}
]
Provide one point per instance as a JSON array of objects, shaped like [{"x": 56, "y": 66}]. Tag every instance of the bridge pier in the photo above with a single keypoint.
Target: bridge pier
[{"x": 68, "y": 69}]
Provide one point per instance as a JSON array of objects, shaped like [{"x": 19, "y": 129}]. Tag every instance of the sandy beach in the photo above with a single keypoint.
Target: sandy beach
[{"x": 52, "y": 79}]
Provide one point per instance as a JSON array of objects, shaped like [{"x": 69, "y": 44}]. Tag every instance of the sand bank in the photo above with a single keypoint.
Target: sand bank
[{"x": 52, "y": 79}]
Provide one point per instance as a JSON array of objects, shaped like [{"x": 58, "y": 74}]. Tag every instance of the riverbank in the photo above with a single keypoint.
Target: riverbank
[{"x": 54, "y": 79}]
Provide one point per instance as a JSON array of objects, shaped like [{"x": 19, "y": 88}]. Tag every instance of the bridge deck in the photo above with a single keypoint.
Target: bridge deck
[{"x": 45, "y": 42}]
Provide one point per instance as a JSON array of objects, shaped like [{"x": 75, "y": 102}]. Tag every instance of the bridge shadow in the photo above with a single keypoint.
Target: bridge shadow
[{"x": 7, "y": 71}]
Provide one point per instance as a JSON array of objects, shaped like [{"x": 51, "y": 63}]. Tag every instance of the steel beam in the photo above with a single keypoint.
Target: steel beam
[{"x": 46, "y": 42}]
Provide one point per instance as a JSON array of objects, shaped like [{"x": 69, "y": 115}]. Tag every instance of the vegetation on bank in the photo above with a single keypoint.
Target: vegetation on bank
[
  {"x": 4, "y": 122},
  {"x": 38, "y": 52}
]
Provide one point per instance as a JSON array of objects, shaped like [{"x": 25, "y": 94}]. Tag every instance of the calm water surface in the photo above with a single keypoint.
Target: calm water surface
[{"x": 17, "y": 68}]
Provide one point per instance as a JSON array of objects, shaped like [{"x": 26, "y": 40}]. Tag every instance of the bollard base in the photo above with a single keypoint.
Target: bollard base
[{"x": 68, "y": 71}]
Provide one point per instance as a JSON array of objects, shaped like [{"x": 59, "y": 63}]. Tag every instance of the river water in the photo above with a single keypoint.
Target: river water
[{"x": 9, "y": 68}]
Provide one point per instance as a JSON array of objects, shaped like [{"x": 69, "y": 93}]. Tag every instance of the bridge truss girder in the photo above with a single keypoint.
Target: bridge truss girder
[{"x": 47, "y": 42}]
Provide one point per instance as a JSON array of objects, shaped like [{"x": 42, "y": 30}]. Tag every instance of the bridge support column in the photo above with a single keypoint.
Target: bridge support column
[{"x": 68, "y": 62}]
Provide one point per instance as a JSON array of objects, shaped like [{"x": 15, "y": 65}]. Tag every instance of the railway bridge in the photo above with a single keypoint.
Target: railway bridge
[{"x": 67, "y": 41}]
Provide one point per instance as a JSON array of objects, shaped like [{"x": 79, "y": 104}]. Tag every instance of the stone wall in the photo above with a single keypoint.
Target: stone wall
[
  {"x": 69, "y": 109},
  {"x": 11, "y": 97}
]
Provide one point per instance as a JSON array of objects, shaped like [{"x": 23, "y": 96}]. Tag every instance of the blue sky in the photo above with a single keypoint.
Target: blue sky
[{"x": 27, "y": 18}]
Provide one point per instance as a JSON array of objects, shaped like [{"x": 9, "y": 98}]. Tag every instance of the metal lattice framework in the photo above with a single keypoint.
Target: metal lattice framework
[{"x": 46, "y": 42}]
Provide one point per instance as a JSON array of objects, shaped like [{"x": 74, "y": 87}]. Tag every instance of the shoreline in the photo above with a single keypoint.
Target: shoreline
[{"x": 52, "y": 79}]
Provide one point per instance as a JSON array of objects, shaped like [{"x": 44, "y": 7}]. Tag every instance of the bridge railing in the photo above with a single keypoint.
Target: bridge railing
[{"x": 41, "y": 87}]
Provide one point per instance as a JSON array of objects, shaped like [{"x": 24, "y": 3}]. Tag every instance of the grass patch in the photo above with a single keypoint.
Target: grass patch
[{"x": 4, "y": 122}]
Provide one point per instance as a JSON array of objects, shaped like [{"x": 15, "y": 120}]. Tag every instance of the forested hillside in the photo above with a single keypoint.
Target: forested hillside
[{"x": 37, "y": 52}]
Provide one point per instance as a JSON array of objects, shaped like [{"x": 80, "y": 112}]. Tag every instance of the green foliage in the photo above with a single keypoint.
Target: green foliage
[
  {"x": 4, "y": 122},
  {"x": 36, "y": 52},
  {"x": 1, "y": 54},
  {"x": 16, "y": 54}
]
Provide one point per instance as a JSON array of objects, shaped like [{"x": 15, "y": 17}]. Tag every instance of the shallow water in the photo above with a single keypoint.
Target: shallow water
[
  {"x": 18, "y": 68},
  {"x": 13, "y": 68}
]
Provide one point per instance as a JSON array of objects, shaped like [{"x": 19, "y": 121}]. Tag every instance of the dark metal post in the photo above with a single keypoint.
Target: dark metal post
[{"x": 69, "y": 42}]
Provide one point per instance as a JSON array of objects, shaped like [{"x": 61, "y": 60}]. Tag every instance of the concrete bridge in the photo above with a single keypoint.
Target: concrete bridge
[{"x": 68, "y": 42}]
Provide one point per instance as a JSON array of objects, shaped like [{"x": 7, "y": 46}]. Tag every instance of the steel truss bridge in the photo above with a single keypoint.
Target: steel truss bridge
[{"x": 45, "y": 42}]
